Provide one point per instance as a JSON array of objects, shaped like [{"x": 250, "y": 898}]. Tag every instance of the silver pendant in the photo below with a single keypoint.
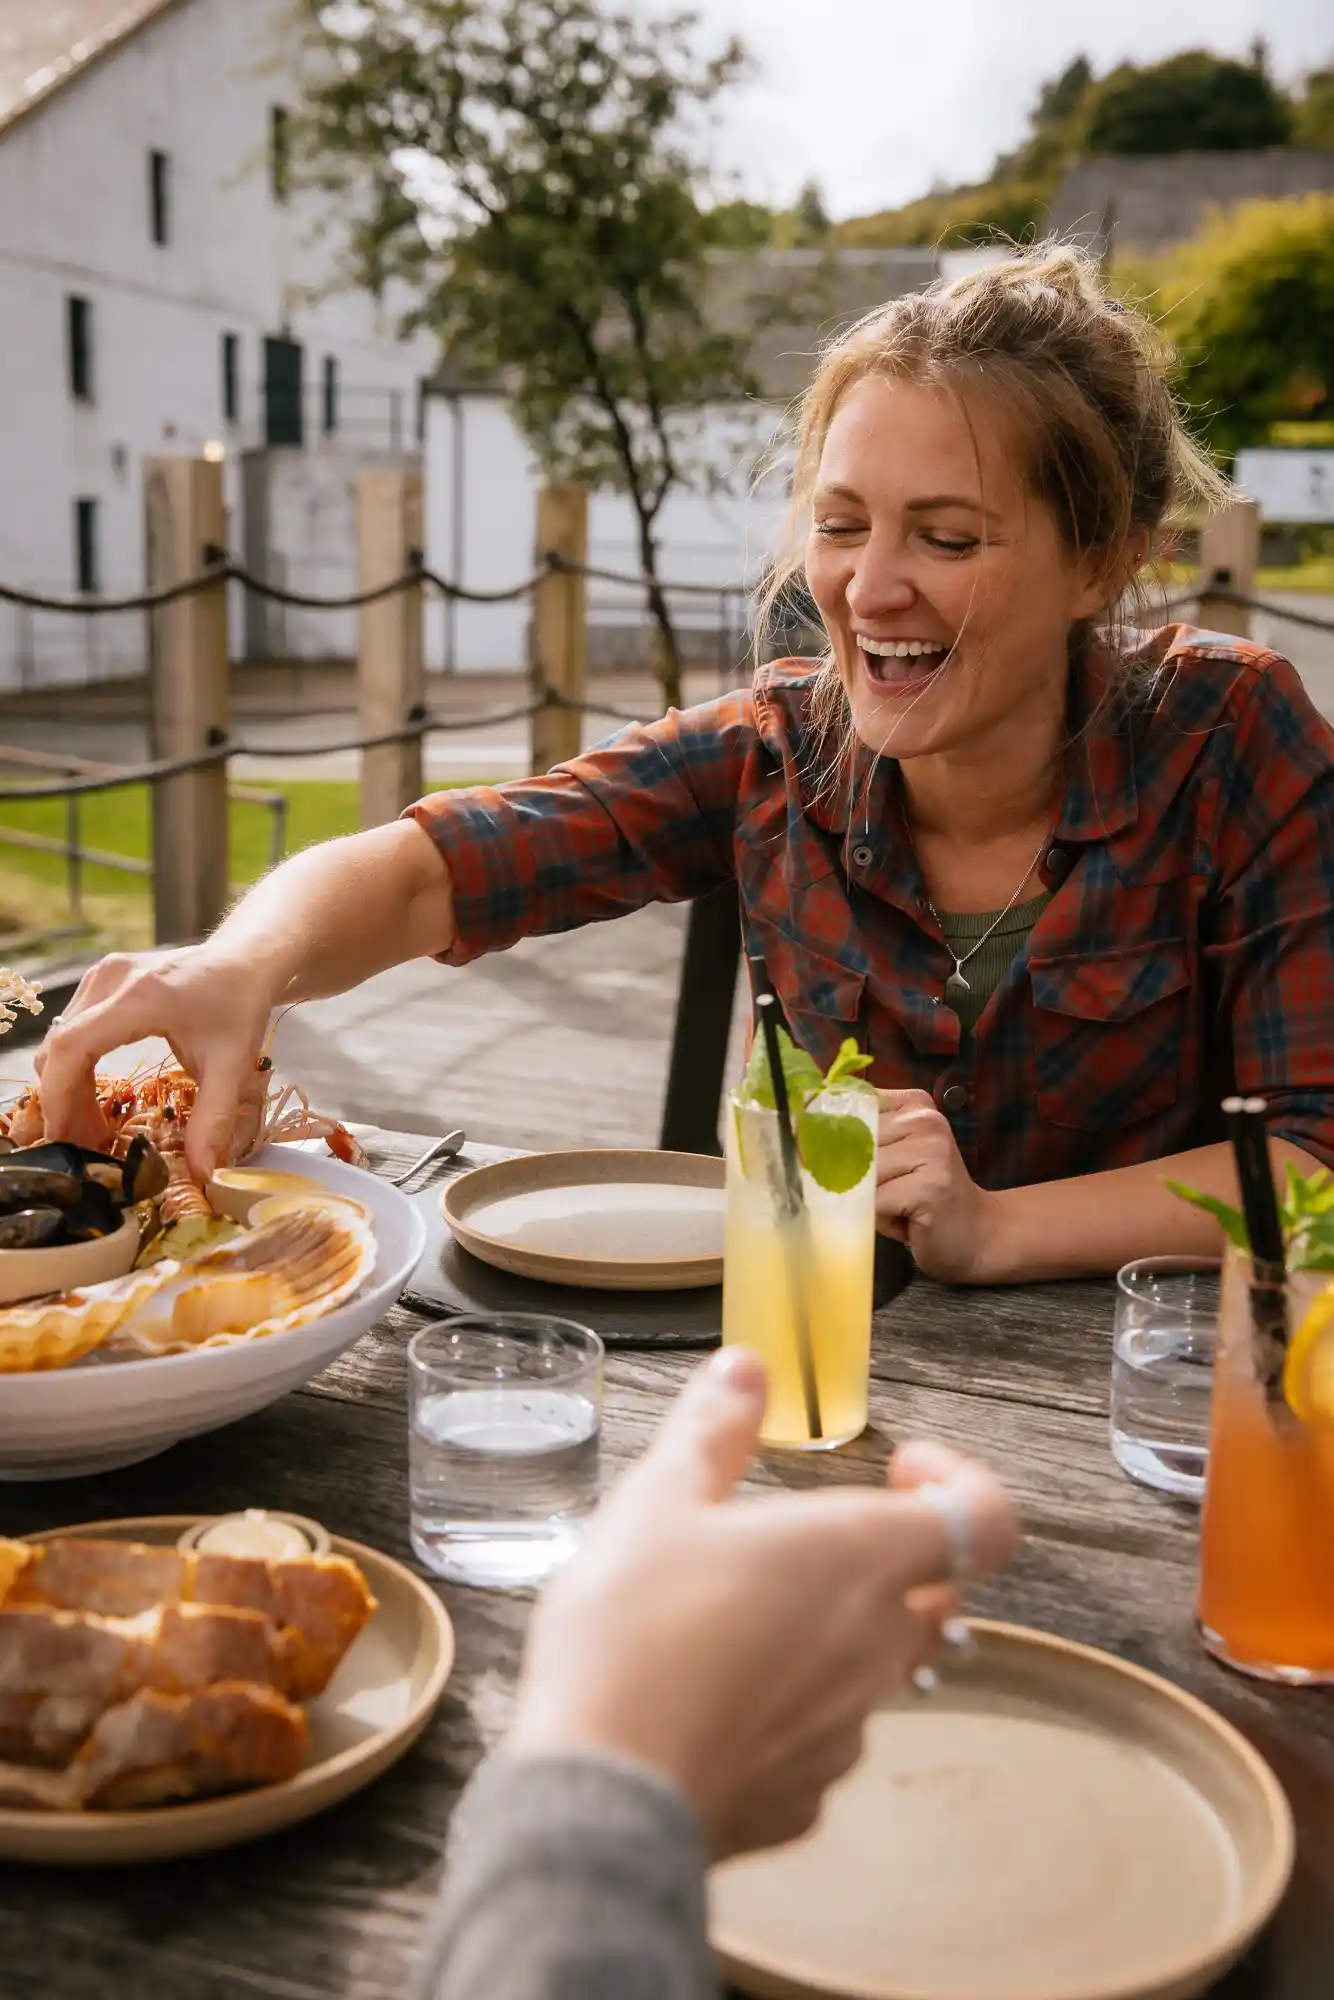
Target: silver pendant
[{"x": 956, "y": 985}]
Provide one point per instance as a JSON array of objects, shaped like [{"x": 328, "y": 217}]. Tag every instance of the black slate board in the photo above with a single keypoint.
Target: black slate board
[{"x": 449, "y": 1281}]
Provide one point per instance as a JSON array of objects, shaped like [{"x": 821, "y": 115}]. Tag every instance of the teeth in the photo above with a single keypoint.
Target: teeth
[{"x": 899, "y": 649}]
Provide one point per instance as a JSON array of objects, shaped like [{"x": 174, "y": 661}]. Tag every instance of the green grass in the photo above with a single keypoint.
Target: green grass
[{"x": 32, "y": 886}]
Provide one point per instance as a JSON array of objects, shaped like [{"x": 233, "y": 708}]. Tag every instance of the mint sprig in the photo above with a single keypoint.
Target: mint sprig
[
  {"x": 836, "y": 1148},
  {"x": 1306, "y": 1212}
]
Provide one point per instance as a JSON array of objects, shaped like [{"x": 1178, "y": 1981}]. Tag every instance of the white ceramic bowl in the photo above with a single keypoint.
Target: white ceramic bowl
[{"x": 101, "y": 1414}]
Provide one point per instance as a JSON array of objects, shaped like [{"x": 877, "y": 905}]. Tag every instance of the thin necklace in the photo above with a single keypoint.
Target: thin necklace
[{"x": 956, "y": 986}]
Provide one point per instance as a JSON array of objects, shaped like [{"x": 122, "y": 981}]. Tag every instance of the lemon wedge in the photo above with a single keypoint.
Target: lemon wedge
[{"x": 1308, "y": 1369}]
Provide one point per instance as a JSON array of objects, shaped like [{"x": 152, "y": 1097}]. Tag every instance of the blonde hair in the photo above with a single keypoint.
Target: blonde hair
[{"x": 1082, "y": 382}]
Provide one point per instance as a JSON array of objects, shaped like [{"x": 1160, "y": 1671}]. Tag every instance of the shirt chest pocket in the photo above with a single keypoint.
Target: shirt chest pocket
[
  {"x": 821, "y": 998},
  {"x": 1107, "y": 1032}
]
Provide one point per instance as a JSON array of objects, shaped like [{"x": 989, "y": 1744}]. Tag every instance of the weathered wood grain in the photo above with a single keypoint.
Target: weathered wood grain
[{"x": 337, "y": 1907}]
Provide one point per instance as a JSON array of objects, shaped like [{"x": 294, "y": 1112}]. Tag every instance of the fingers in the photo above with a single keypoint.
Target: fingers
[
  {"x": 221, "y": 1076},
  {"x": 893, "y": 1102},
  {"x": 982, "y": 1505},
  {"x": 898, "y": 1540},
  {"x": 712, "y": 1430}
]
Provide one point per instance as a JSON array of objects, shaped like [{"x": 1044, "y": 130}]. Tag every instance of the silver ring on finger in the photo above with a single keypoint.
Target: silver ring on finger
[
  {"x": 952, "y": 1510},
  {"x": 957, "y": 1643}
]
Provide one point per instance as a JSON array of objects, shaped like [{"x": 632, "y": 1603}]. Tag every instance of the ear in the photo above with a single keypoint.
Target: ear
[{"x": 1106, "y": 577}]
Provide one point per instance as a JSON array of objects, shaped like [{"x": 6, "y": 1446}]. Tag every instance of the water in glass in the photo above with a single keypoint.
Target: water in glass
[
  {"x": 1162, "y": 1371},
  {"x": 503, "y": 1446}
]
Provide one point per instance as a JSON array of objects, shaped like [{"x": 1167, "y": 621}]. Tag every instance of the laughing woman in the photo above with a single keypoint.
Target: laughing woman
[{"x": 1069, "y": 882}]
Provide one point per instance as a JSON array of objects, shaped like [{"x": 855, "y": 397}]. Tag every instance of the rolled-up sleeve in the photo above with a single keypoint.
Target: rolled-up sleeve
[
  {"x": 647, "y": 817},
  {"x": 1270, "y": 930}
]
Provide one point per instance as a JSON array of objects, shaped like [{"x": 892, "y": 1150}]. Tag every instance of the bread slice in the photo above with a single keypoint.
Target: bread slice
[
  {"x": 157, "y": 1747},
  {"x": 318, "y": 1603},
  {"x": 60, "y": 1670}
]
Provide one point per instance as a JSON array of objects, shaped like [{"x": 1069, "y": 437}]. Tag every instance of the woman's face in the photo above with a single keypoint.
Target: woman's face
[{"x": 945, "y": 588}]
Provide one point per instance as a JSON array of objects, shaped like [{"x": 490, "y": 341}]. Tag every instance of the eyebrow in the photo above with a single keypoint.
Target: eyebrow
[{"x": 923, "y": 506}]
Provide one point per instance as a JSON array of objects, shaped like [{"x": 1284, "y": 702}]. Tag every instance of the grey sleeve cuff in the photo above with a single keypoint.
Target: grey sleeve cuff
[{"x": 571, "y": 1878}]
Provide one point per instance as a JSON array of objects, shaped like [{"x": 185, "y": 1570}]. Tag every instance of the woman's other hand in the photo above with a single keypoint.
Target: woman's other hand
[{"x": 926, "y": 1197}]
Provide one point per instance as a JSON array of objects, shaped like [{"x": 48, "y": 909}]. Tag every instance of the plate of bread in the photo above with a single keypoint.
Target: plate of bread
[{"x": 170, "y": 1686}]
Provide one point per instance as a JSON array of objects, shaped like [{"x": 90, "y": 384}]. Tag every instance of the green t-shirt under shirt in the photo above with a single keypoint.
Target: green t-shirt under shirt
[{"x": 988, "y": 966}]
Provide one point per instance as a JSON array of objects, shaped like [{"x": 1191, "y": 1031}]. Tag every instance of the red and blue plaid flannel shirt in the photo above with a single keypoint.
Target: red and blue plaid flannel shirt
[{"x": 1187, "y": 950}]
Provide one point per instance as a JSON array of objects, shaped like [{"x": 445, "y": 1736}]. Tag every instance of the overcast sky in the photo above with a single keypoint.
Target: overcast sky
[{"x": 879, "y": 98}]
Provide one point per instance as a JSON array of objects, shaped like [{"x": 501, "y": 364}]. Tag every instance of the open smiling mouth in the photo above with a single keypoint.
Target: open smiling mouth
[{"x": 901, "y": 664}]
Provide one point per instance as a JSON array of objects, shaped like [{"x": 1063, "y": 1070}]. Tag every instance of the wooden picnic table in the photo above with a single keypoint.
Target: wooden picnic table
[{"x": 337, "y": 1906}]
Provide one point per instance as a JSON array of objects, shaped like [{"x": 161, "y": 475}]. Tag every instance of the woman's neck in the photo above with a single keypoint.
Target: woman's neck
[{"x": 994, "y": 792}]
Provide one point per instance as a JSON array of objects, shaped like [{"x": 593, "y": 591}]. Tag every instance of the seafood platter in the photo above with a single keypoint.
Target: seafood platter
[
  {"x": 170, "y": 1685},
  {"x": 138, "y": 1308}
]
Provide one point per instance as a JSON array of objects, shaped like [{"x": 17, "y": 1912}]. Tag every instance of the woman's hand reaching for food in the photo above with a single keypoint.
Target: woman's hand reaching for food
[
  {"x": 322, "y": 922},
  {"x": 737, "y": 1648},
  {"x": 212, "y": 1009},
  {"x": 926, "y": 1197}
]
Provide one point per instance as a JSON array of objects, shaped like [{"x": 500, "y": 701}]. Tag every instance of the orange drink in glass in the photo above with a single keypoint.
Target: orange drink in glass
[{"x": 1266, "y": 1596}]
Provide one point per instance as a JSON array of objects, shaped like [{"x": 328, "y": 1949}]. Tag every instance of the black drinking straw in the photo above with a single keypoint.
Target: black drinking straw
[
  {"x": 766, "y": 1004},
  {"x": 1244, "y": 1118}
]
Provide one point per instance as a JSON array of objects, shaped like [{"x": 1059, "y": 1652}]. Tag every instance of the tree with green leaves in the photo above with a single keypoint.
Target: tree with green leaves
[
  {"x": 808, "y": 214},
  {"x": 524, "y": 167},
  {"x": 1250, "y": 307},
  {"x": 1191, "y": 103},
  {"x": 1313, "y": 115}
]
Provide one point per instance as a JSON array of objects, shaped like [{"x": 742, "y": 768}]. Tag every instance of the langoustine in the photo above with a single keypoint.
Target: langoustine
[{"x": 155, "y": 1104}]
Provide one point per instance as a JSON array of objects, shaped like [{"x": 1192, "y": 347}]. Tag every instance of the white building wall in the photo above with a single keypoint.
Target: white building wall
[
  {"x": 481, "y": 510},
  {"x": 198, "y": 84}
]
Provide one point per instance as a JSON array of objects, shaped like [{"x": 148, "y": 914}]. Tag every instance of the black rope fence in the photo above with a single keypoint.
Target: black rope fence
[
  {"x": 223, "y": 568},
  {"x": 230, "y": 746},
  {"x": 220, "y": 567}
]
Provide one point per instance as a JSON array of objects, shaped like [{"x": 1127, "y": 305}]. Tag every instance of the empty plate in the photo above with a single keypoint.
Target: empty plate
[
  {"x": 1052, "y": 1825},
  {"x": 612, "y": 1221}
]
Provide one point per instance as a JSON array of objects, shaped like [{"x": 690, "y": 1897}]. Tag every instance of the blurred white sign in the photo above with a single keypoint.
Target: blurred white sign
[{"x": 1290, "y": 486}]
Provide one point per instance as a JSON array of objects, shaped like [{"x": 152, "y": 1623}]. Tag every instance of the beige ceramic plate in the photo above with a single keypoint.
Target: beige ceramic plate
[
  {"x": 1053, "y": 1825},
  {"x": 614, "y": 1221},
  {"x": 376, "y": 1705}
]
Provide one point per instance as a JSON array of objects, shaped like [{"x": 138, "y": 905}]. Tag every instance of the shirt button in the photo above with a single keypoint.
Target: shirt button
[
  {"x": 862, "y": 857},
  {"x": 1056, "y": 860},
  {"x": 954, "y": 1097}
]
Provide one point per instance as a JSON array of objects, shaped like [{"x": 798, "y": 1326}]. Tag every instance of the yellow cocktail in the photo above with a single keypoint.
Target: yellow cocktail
[{"x": 783, "y": 1273}]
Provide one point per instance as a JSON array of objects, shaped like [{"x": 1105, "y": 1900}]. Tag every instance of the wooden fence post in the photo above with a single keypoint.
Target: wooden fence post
[
  {"x": 1229, "y": 557},
  {"x": 390, "y": 683},
  {"x": 189, "y": 697},
  {"x": 560, "y": 624}
]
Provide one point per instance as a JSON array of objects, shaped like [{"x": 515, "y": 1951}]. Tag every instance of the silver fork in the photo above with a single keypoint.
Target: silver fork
[{"x": 439, "y": 1149}]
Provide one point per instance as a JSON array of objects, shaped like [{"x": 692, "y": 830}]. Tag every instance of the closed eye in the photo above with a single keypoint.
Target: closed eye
[{"x": 952, "y": 546}]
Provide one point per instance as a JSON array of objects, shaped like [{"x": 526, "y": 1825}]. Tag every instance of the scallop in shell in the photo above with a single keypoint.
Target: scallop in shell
[
  {"x": 53, "y": 1331},
  {"x": 292, "y": 1269}
]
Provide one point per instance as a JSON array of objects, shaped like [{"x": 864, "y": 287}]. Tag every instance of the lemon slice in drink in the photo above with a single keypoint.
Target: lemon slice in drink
[{"x": 1308, "y": 1369}]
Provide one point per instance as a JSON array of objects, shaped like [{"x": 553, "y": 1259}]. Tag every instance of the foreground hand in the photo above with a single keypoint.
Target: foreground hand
[
  {"x": 925, "y": 1196},
  {"x": 214, "y": 1012},
  {"x": 737, "y": 1648}
]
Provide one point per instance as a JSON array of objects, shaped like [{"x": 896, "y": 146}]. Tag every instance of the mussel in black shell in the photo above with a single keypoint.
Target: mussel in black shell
[
  {"x": 31, "y": 1228},
  {"x": 23, "y": 1185},
  {"x": 85, "y": 1192}
]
